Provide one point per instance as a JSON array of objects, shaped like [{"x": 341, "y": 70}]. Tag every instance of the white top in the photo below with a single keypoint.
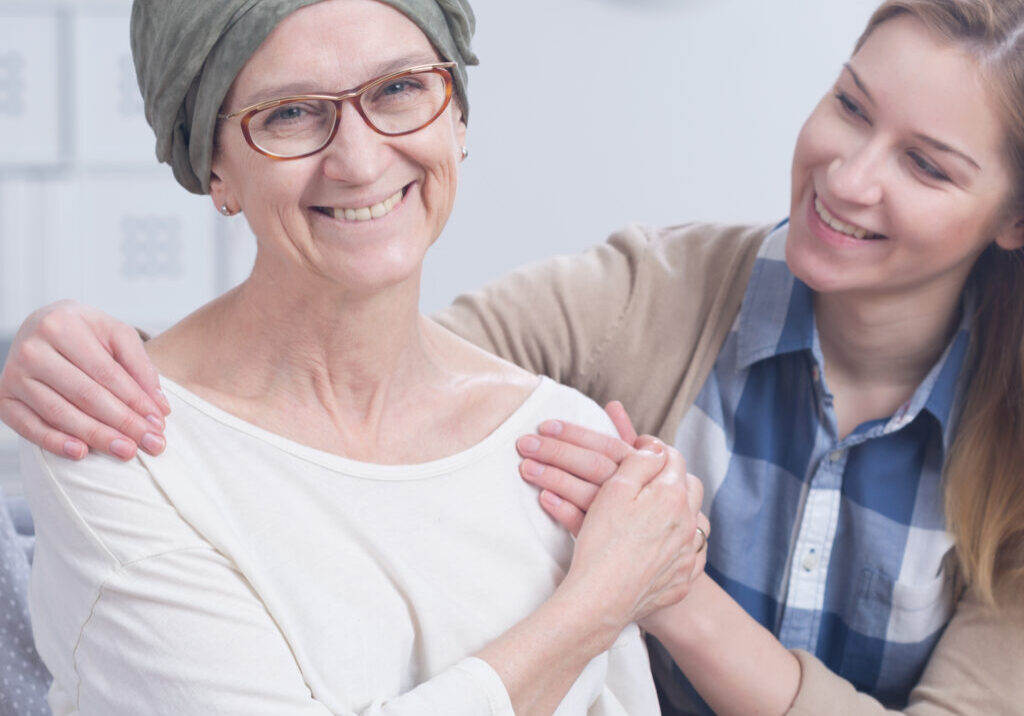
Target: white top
[{"x": 243, "y": 573}]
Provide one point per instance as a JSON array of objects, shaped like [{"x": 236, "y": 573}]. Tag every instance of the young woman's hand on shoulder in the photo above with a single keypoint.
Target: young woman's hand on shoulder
[{"x": 115, "y": 404}]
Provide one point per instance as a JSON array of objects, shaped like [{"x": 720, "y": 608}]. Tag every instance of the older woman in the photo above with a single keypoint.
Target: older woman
[{"x": 337, "y": 526}]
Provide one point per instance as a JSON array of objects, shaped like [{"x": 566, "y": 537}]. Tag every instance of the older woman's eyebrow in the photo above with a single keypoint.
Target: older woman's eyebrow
[{"x": 290, "y": 89}]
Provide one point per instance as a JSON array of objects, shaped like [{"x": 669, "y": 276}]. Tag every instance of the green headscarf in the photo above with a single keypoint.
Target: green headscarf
[{"x": 188, "y": 52}]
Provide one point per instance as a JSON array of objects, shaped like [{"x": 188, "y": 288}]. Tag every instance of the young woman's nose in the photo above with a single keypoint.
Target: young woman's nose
[
  {"x": 856, "y": 175},
  {"x": 357, "y": 154}
]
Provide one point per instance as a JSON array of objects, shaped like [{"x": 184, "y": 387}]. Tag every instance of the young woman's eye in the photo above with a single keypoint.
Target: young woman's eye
[
  {"x": 849, "y": 106},
  {"x": 925, "y": 166}
]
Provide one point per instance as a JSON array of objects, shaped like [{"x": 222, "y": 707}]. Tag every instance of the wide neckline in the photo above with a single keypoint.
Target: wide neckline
[{"x": 501, "y": 437}]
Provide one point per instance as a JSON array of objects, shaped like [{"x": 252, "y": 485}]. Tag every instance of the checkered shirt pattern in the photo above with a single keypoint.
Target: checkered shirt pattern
[{"x": 836, "y": 546}]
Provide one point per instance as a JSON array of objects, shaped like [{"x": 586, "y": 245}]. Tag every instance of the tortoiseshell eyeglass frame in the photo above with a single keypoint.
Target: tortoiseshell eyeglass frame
[{"x": 440, "y": 68}]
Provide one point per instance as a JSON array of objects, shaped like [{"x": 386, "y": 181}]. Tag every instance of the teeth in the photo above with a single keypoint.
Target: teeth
[
  {"x": 842, "y": 227},
  {"x": 365, "y": 213}
]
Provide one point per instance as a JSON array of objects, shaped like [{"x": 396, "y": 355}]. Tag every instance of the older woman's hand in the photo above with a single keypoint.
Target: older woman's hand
[
  {"x": 115, "y": 403},
  {"x": 576, "y": 469}
]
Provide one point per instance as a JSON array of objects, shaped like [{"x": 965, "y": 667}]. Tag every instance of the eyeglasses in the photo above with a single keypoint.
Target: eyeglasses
[{"x": 393, "y": 105}]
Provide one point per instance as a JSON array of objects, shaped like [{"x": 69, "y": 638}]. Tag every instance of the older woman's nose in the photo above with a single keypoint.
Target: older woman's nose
[
  {"x": 857, "y": 176},
  {"x": 357, "y": 154}
]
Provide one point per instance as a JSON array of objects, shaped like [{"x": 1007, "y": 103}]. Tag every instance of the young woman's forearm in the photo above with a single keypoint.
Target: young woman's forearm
[{"x": 735, "y": 664}]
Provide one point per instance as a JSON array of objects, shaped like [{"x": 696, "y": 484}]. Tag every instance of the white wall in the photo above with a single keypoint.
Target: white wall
[
  {"x": 589, "y": 114},
  {"x": 586, "y": 115}
]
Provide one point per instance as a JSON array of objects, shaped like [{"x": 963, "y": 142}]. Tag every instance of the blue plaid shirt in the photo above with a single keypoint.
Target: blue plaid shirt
[{"x": 835, "y": 545}]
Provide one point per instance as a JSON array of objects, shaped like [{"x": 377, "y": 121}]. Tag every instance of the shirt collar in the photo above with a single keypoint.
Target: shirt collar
[
  {"x": 777, "y": 314},
  {"x": 777, "y": 318}
]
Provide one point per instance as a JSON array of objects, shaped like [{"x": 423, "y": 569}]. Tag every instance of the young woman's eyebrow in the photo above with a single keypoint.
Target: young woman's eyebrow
[
  {"x": 857, "y": 81},
  {"x": 943, "y": 147},
  {"x": 930, "y": 141}
]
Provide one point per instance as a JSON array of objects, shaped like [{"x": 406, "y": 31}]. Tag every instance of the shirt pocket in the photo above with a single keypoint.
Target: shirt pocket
[{"x": 894, "y": 627}]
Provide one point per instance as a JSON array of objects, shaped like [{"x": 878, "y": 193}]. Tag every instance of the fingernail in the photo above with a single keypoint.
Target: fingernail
[
  {"x": 551, "y": 427},
  {"x": 153, "y": 443},
  {"x": 124, "y": 449},
  {"x": 156, "y": 420},
  {"x": 163, "y": 397},
  {"x": 75, "y": 451},
  {"x": 534, "y": 469},
  {"x": 529, "y": 444},
  {"x": 550, "y": 498}
]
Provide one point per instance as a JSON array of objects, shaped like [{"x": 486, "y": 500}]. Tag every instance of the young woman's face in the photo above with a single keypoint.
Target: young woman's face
[
  {"x": 898, "y": 178},
  {"x": 297, "y": 208}
]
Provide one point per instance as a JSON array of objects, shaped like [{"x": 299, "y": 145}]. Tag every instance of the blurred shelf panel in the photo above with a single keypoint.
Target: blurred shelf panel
[
  {"x": 109, "y": 126},
  {"x": 33, "y": 87}
]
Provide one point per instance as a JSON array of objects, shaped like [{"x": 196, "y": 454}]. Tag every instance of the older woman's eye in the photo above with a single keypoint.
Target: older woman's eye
[
  {"x": 405, "y": 89},
  {"x": 290, "y": 116},
  {"x": 926, "y": 167}
]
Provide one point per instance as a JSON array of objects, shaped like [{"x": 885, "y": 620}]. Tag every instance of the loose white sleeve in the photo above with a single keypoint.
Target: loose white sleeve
[{"x": 135, "y": 613}]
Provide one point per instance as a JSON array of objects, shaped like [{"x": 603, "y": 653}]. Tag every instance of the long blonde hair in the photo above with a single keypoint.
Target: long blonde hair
[{"x": 984, "y": 471}]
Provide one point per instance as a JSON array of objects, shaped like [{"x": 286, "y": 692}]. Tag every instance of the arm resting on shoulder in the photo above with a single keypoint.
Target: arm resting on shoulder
[{"x": 640, "y": 318}]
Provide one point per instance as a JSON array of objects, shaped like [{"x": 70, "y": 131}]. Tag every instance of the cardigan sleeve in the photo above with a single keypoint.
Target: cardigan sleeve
[
  {"x": 640, "y": 318},
  {"x": 976, "y": 668}
]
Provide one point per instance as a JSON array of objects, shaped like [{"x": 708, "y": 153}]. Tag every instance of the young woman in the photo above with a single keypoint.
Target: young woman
[{"x": 848, "y": 385}]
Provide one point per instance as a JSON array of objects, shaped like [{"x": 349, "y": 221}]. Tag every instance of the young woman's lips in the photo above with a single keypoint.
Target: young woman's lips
[{"x": 832, "y": 227}]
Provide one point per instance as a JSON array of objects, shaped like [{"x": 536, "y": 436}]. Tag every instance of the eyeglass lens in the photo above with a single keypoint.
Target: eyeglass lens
[{"x": 397, "y": 106}]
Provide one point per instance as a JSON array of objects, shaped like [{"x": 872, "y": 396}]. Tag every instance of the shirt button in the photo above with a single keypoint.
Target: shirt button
[
  {"x": 810, "y": 561},
  {"x": 836, "y": 455}
]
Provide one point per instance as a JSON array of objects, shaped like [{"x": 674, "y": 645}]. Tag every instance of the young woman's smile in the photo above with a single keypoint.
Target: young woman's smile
[{"x": 898, "y": 174}]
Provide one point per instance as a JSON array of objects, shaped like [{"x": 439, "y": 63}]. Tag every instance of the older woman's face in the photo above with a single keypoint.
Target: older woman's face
[{"x": 296, "y": 207}]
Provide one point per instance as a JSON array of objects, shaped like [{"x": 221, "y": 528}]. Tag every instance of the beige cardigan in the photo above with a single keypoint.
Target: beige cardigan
[{"x": 641, "y": 319}]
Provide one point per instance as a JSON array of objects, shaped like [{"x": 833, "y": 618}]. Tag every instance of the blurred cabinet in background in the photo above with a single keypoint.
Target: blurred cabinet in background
[{"x": 86, "y": 212}]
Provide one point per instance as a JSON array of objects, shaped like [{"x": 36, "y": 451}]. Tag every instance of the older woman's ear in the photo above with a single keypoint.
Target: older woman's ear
[{"x": 222, "y": 199}]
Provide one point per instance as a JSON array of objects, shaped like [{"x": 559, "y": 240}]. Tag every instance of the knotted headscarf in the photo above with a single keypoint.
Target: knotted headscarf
[{"x": 188, "y": 52}]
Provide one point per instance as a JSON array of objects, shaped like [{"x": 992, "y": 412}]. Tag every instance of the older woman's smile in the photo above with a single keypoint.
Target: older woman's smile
[{"x": 375, "y": 210}]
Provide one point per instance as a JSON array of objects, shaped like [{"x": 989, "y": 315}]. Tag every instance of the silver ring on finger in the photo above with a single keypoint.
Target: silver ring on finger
[{"x": 704, "y": 541}]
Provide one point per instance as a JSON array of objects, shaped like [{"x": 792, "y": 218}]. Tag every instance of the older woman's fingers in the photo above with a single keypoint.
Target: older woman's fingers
[
  {"x": 608, "y": 445},
  {"x": 587, "y": 464},
  {"x": 567, "y": 487},
  {"x": 28, "y": 425},
  {"x": 564, "y": 513},
  {"x": 644, "y": 467},
  {"x": 60, "y": 414},
  {"x": 623, "y": 424}
]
